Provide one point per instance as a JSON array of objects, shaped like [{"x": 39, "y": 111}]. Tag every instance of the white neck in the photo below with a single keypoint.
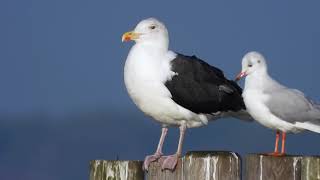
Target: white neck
[
  {"x": 258, "y": 80},
  {"x": 147, "y": 63},
  {"x": 159, "y": 45}
]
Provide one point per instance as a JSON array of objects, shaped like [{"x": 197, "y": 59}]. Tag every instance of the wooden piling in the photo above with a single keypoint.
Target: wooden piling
[
  {"x": 208, "y": 165},
  {"x": 310, "y": 168},
  {"x": 201, "y": 165},
  {"x": 265, "y": 167},
  {"x": 116, "y": 170}
]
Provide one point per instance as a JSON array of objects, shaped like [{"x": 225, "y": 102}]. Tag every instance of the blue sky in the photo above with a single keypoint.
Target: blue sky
[{"x": 62, "y": 96}]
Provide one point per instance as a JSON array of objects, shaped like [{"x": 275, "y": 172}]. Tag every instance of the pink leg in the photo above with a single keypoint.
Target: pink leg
[
  {"x": 276, "y": 152},
  {"x": 158, "y": 153},
  {"x": 171, "y": 161},
  {"x": 283, "y": 143}
]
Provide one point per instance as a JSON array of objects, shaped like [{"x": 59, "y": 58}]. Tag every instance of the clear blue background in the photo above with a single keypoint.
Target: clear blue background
[{"x": 62, "y": 96}]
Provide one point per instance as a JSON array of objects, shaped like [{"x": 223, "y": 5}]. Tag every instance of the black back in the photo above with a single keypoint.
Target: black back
[{"x": 202, "y": 88}]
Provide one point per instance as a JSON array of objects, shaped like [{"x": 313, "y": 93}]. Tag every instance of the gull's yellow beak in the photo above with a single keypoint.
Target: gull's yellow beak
[{"x": 130, "y": 36}]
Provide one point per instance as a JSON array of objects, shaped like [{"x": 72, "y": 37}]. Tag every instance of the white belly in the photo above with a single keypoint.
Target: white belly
[
  {"x": 144, "y": 81},
  {"x": 254, "y": 101}
]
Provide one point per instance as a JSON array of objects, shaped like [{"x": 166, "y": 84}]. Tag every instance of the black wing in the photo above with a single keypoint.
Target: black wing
[{"x": 202, "y": 88}]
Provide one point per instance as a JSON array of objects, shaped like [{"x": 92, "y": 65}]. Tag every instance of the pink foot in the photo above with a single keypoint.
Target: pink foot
[
  {"x": 150, "y": 159},
  {"x": 170, "y": 162}
]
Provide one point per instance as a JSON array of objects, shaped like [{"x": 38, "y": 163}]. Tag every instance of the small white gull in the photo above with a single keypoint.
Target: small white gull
[{"x": 274, "y": 105}]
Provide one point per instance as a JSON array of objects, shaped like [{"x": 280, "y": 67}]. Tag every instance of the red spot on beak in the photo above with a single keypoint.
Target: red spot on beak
[
  {"x": 127, "y": 38},
  {"x": 240, "y": 75}
]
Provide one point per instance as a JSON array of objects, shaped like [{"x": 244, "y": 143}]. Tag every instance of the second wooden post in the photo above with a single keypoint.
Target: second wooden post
[{"x": 206, "y": 165}]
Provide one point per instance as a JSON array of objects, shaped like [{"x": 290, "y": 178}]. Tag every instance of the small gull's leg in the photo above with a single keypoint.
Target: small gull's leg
[
  {"x": 284, "y": 136},
  {"x": 276, "y": 152}
]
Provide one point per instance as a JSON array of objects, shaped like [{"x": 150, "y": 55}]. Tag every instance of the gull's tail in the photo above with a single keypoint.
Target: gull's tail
[
  {"x": 311, "y": 126},
  {"x": 315, "y": 124}
]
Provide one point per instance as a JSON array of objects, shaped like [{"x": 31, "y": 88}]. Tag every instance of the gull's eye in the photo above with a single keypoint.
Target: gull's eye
[
  {"x": 152, "y": 27},
  {"x": 259, "y": 61},
  {"x": 249, "y": 65}
]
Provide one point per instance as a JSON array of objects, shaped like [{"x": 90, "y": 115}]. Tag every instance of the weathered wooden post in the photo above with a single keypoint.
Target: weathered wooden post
[
  {"x": 116, "y": 170},
  {"x": 310, "y": 168},
  {"x": 206, "y": 165},
  {"x": 265, "y": 167}
]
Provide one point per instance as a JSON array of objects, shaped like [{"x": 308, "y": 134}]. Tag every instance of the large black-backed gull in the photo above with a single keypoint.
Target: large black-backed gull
[{"x": 174, "y": 89}]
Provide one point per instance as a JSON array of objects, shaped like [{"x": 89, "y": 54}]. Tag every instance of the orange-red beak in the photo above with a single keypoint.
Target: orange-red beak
[
  {"x": 130, "y": 36},
  {"x": 240, "y": 75}
]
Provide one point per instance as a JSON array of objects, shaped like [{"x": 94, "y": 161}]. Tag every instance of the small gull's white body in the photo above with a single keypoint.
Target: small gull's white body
[
  {"x": 274, "y": 105},
  {"x": 256, "y": 100}
]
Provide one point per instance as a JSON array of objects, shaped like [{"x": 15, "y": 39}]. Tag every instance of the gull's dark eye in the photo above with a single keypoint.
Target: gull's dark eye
[
  {"x": 152, "y": 27},
  {"x": 259, "y": 61},
  {"x": 250, "y": 65}
]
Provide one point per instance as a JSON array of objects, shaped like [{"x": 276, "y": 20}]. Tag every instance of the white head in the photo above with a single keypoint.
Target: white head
[
  {"x": 149, "y": 31},
  {"x": 252, "y": 62}
]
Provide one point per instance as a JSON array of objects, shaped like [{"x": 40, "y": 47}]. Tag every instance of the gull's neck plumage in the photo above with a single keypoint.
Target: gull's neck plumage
[
  {"x": 261, "y": 80},
  {"x": 157, "y": 46},
  {"x": 148, "y": 62}
]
